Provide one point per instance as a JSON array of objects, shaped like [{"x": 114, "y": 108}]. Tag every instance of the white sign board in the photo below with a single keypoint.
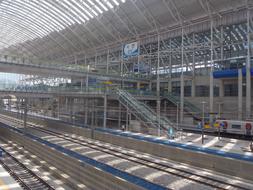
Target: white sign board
[{"x": 130, "y": 50}]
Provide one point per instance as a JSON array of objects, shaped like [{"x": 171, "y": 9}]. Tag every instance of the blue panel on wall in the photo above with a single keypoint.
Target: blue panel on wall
[{"x": 229, "y": 73}]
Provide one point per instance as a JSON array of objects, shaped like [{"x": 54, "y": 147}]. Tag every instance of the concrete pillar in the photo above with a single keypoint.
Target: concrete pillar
[{"x": 240, "y": 94}]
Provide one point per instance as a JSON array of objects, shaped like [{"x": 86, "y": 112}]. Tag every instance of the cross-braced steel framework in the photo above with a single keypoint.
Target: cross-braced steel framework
[{"x": 177, "y": 38}]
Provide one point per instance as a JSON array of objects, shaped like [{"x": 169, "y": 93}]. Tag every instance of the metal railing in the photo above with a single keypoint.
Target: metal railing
[{"x": 189, "y": 107}]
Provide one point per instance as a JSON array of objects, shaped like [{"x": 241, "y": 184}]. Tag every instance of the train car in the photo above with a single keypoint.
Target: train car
[{"x": 235, "y": 127}]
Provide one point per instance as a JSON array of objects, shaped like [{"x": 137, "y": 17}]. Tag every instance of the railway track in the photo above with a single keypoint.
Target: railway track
[
  {"x": 139, "y": 159},
  {"x": 27, "y": 179}
]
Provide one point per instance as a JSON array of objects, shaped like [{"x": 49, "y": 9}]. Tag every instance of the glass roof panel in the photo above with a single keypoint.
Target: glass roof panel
[{"x": 29, "y": 19}]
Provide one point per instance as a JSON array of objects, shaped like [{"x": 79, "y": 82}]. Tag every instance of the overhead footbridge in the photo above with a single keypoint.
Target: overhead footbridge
[
  {"x": 61, "y": 70},
  {"x": 51, "y": 93}
]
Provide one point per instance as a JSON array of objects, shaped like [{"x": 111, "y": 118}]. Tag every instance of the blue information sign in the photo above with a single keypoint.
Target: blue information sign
[{"x": 130, "y": 50}]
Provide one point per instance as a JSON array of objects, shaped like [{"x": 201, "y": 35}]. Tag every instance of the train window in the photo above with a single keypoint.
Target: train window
[{"x": 236, "y": 126}]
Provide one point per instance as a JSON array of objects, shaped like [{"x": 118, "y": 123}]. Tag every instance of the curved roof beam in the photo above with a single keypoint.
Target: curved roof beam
[
  {"x": 54, "y": 12},
  {"x": 27, "y": 13},
  {"x": 45, "y": 17},
  {"x": 21, "y": 31},
  {"x": 35, "y": 28}
]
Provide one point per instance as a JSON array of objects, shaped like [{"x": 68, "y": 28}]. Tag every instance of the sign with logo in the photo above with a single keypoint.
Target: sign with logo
[{"x": 130, "y": 50}]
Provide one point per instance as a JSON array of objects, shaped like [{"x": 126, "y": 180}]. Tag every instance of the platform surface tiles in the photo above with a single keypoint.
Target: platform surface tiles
[
  {"x": 7, "y": 182},
  {"x": 221, "y": 144}
]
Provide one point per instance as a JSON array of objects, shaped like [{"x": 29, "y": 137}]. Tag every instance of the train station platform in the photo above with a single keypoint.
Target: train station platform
[
  {"x": 7, "y": 182},
  {"x": 226, "y": 147}
]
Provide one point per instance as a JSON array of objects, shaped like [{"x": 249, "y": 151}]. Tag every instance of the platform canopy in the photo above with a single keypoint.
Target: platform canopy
[{"x": 50, "y": 29}]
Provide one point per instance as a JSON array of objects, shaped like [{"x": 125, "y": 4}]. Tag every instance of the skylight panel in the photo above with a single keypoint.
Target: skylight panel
[
  {"x": 102, "y": 5},
  {"x": 116, "y": 2},
  {"x": 85, "y": 7},
  {"x": 38, "y": 18},
  {"x": 48, "y": 15},
  {"x": 109, "y": 4},
  {"x": 69, "y": 8},
  {"x": 59, "y": 13},
  {"x": 94, "y": 5},
  {"x": 14, "y": 9},
  {"x": 76, "y": 11},
  {"x": 80, "y": 7}
]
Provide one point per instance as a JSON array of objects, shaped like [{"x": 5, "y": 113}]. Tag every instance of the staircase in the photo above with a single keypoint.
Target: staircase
[
  {"x": 188, "y": 107},
  {"x": 143, "y": 112}
]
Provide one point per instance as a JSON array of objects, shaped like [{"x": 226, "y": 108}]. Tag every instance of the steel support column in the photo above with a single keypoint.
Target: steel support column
[
  {"x": 248, "y": 75},
  {"x": 240, "y": 94},
  {"x": 182, "y": 80},
  {"x": 211, "y": 74},
  {"x": 105, "y": 111},
  {"x": 119, "y": 116},
  {"x": 158, "y": 101},
  {"x": 193, "y": 87},
  {"x": 170, "y": 70},
  {"x": 86, "y": 111}
]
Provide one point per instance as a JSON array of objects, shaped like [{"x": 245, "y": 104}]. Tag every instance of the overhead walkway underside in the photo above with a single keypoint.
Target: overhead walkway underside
[
  {"x": 62, "y": 71},
  {"x": 79, "y": 94}
]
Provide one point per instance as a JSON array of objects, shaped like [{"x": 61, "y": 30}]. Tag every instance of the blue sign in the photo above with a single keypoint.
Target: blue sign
[{"x": 130, "y": 50}]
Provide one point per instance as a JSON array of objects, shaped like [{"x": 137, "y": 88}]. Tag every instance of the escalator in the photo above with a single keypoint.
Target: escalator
[{"x": 143, "y": 112}]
